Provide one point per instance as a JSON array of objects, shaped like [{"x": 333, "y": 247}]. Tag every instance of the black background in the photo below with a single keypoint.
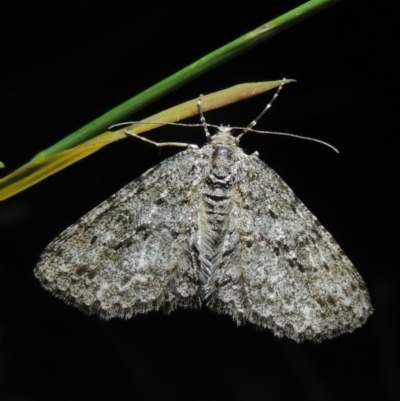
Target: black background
[{"x": 65, "y": 64}]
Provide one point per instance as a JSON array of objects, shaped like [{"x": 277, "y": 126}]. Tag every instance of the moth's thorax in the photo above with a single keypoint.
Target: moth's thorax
[
  {"x": 222, "y": 154},
  {"x": 222, "y": 151}
]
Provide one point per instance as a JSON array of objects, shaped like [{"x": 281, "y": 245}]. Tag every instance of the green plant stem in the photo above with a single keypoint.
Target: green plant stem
[{"x": 185, "y": 75}]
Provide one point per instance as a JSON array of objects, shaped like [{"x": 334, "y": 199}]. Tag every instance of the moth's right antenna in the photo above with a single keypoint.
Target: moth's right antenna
[{"x": 267, "y": 107}]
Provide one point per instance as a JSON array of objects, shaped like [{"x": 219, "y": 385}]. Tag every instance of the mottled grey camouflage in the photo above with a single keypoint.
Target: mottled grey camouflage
[{"x": 212, "y": 226}]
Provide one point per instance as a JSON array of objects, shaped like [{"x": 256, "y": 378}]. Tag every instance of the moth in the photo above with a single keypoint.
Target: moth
[{"x": 215, "y": 227}]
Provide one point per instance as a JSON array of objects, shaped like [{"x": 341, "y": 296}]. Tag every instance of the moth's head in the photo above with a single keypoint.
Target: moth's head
[{"x": 224, "y": 137}]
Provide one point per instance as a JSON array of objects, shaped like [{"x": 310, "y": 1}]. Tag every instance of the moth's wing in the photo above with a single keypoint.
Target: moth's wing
[
  {"x": 130, "y": 254},
  {"x": 281, "y": 269}
]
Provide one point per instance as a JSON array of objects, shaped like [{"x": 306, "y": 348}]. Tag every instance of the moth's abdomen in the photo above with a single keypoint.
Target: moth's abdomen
[{"x": 215, "y": 210}]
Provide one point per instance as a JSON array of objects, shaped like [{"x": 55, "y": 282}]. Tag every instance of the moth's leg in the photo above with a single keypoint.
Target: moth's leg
[
  {"x": 203, "y": 119},
  {"x": 162, "y": 144}
]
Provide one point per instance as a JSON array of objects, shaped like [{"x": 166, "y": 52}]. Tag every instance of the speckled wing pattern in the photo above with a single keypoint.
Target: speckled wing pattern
[
  {"x": 212, "y": 226},
  {"x": 285, "y": 271},
  {"x": 129, "y": 254}
]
